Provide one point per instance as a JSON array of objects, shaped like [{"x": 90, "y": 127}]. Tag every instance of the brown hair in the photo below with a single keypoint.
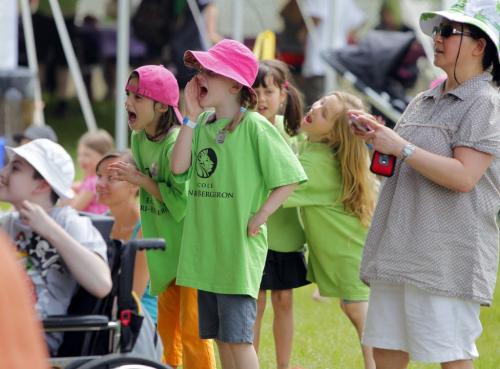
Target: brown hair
[
  {"x": 167, "y": 120},
  {"x": 53, "y": 195},
  {"x": 490, "y": 58},
  {"x": 282, "y": 79},
  {"x": 99, "y": 141}
]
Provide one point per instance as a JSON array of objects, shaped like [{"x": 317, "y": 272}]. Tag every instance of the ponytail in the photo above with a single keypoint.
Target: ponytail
[
  {"x": 294, "y": 106},
  {"x": 294, "y": 109}
]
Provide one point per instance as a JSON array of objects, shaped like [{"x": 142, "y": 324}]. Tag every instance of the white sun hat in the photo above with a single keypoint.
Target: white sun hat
[
  {"x": 52, "y": 162},
  {"x": 484, "y": 14}
]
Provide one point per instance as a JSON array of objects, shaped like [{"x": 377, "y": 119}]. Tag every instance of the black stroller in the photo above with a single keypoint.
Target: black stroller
[
  {"x": 101, "y": 333},
  {"x": 380, "y": 67}
]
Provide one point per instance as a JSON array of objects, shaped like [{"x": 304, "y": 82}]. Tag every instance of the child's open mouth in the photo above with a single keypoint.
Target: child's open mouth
[{"x": 131, "y": 117}]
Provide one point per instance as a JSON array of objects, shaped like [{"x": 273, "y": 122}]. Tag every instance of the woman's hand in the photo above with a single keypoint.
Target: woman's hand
[
  {"x": 382, "y": 139},
  {"x": 192, "y": 99}
]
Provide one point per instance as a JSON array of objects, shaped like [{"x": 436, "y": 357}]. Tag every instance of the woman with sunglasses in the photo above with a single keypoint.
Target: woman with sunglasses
[{"x": 431, "y": 255}]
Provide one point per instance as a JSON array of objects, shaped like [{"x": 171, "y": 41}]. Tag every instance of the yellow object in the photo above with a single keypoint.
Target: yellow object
[
  {"x": 265, "y": 45},
  {"x": 178, "y": 328}
]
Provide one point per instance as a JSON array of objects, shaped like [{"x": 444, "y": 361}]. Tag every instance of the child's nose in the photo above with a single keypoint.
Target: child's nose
[{"x": 128, "y": 101}]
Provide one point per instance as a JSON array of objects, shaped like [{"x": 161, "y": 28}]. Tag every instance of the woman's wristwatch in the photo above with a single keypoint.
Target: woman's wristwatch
[
  {"x": 407, "y": 151},
  {"x": 187, "y": 122}
]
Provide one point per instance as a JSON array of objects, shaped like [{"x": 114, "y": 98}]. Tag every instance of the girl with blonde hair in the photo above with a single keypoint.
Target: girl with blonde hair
[{"x": 336, "y": 205}]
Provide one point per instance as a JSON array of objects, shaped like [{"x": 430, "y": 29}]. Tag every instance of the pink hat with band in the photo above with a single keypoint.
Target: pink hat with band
[
  {"x": 159, "y": 84},
  {"x": 228, "y": 58}
]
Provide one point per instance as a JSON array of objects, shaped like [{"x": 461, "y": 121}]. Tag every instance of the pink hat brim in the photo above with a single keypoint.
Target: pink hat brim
[{"x": 195, "y": 59}]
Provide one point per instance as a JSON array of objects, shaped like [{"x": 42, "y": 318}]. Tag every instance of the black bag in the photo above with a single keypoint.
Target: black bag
[{"x": 151, "y": 22}]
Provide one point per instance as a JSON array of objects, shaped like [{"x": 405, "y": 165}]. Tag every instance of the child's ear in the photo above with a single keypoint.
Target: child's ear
[
  {"x": 236, "y": 88},
  {"x": 42, "y": 186},
  {"x": 160, "y": 108},
  {"x": 282, "y": 96}
]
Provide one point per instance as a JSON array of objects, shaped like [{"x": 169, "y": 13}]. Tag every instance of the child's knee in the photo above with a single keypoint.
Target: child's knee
[{"x": 282, "y": 299}]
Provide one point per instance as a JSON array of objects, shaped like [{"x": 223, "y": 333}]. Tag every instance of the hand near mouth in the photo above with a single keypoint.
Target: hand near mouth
[{"x": 192, "y": 99}]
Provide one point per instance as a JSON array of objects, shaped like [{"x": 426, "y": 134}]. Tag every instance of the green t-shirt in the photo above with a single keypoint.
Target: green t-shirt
[
  {"x": 161, "y": 219},
  {"x": 284, "y": 231},
  {"x": 229, "y": 182},
  {"x": 335, "y": 237}
]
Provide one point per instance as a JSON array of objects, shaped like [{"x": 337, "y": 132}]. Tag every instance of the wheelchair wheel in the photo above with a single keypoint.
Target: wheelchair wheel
[{"x": 121, "y": 361}]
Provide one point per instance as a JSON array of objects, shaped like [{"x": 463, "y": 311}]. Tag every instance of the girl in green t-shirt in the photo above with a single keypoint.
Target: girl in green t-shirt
[
  {"x": 285, "y": 267},
  {"x": 152, "y": 100},
  {"x": 240, "y": 170},
  {"x": 336, "y": 205}
]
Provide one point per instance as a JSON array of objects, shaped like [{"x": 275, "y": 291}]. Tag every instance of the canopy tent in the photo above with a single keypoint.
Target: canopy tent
[{"x": 121, "y": 131}]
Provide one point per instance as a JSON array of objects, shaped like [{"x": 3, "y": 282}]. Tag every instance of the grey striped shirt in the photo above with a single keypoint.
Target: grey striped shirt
[{"x": 423, "y": 234}]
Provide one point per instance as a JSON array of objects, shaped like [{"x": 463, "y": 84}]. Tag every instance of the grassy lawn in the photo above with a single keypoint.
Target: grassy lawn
[{"x": 324, "y": 339}]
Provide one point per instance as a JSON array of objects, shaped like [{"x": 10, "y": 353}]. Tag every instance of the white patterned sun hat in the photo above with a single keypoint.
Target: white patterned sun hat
[{"x": 484, "y": 14}]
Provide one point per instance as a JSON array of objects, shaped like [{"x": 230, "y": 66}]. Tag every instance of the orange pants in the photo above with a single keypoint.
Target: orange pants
[{"x": 178, "y": 328}]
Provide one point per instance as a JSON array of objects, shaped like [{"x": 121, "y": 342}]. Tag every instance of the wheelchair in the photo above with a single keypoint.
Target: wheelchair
[{"x": 101, "y": 333}]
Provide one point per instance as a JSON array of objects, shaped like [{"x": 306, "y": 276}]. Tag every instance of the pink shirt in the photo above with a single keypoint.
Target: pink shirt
[{"x": 88, "y": 184}]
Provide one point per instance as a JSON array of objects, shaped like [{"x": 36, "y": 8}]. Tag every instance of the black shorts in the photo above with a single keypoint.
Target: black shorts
[{"x": 284, "y": 271}]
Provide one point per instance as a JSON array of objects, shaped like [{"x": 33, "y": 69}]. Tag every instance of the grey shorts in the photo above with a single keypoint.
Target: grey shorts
[{"x": 227, "y": 318}]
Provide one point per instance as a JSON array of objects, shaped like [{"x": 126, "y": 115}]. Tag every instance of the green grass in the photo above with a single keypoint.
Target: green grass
[{"x": 324, "y": 339}]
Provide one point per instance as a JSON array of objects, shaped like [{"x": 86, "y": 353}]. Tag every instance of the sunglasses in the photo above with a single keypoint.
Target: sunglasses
[{"x": 447, "y": 30}]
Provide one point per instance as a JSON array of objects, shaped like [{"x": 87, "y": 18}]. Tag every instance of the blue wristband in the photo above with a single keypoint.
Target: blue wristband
[{"x": 187, "y": 122}]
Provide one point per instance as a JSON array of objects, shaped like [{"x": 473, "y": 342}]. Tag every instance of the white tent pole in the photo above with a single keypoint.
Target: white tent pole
[
  {"x": 333, "y": 40},
  {"x": 122, "y": 68},
  {"x": 29, "y": 40},
  {"x": 237, "y": 20},
  {"x": 200, "y": 23},
  {"x": 74, "y": 68},
  {"x": 311, "y": 29}
]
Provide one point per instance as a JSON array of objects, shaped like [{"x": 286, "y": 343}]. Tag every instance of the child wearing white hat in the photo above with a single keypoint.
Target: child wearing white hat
[{"x": 58, "y": 248}]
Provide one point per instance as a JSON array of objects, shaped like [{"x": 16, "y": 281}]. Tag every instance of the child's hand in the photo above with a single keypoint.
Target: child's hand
[
  {"x": 255, "y": 223},
  {"x": 192, "y": 99},
  {"x": 36, "y": 217},
  {"x": 122, "y": 171}
]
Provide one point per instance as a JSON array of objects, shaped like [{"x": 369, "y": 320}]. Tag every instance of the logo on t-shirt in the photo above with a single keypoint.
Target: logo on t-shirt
[
  {"x": 152, "y": 170},
  {"x": 39, "y": 253},
  {"x": 206, "y": 162}
]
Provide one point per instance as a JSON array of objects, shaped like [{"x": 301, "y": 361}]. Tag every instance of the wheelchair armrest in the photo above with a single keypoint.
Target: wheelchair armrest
[{"x": 63, "y": 323}]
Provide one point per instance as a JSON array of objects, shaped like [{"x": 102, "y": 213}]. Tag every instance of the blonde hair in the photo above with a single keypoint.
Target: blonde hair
[
  {"x": 359, "y": 185},
  {"x": 100, "y": 141}
]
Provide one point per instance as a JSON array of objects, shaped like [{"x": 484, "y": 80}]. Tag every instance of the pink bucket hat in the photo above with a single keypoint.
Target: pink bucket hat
[
  {"x": 159, "y": 84},
  {"x": 228, "y": 58}
]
